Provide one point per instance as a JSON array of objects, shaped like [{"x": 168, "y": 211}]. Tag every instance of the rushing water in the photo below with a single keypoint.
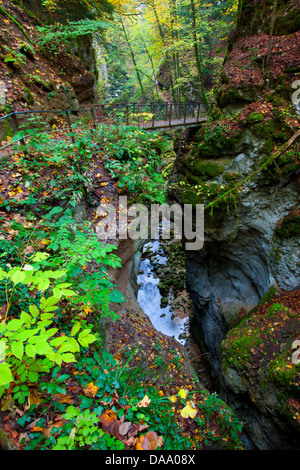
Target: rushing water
[{"x": 149, "y": 298}]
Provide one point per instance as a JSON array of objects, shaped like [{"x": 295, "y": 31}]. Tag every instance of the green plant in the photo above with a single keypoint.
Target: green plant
[
  {"x": 62, "y": 33},
  {"x": 82, "y": 431},
  {"x": 14, "y": 57},
  {"x": 73, "y": 252},
  {"x": 27, "y": 338},
  {"x": 138, "y": 160}
]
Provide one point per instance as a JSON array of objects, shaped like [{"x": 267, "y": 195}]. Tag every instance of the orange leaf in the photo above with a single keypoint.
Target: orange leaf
[
  {"x": 151, "y": 441},
  {"x": 63, "y": 398},
  {"x": 37, "y": 429},
  {"x": 91, "y": 390},
  {"x": 47, "y": 432}
]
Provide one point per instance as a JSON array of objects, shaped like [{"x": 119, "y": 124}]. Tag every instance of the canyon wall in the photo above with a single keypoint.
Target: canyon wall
[{"x": 250, "y": 256}]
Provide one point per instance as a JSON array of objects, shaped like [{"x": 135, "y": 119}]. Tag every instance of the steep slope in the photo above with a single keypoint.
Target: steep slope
[
  {"x": 33, "y": 77},
  {"x": 244, "y": 167}
]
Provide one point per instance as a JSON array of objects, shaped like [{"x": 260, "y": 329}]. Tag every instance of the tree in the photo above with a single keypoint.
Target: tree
[{"x": 133, "y": 58}]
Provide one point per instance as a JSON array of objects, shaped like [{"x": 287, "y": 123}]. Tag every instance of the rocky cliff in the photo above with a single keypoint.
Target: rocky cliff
[{"x": 243, "y": 165}]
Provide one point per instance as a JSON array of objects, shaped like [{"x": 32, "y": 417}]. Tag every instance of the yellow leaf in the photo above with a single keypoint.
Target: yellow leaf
[
  {"x": 189, "y": 411},
  {"x": 87, "y": 310},
  {"x": 145, "y": 402},
  {"x": 183, "y": 393}
]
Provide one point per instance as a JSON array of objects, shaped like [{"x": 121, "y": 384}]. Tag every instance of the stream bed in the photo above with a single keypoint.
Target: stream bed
[{"x": 149, "y": 297}]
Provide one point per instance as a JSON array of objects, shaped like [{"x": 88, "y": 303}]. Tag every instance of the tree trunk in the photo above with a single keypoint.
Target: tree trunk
[{"x": 134, "y": 61}]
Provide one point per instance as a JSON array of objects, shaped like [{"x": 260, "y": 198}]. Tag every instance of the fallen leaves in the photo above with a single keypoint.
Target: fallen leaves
[
  {"x": 127, "y": 431},
  {"x": 150, "y": 441}
]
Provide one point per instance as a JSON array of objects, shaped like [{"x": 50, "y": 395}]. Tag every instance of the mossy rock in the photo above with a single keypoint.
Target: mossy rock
[
  {"x": 262, "y": 342},
  {"x": 5, "y": 443},
  {"x": 269, "y": 295},
  {"x": 289, "y": 226},
  {"x": 206, "y": 168},
  {"x": 216, "y": 143},
  {"x": 255, "y": 117},
  {"x": 27, "y": 96}
]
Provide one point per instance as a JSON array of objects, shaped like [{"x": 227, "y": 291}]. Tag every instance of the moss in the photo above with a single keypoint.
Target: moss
[
  {"x": 269, "y": 295},
  {"x": 5, "y": 443},
  {"x": 4, "y": 12},
  {"x": 264, "y": 130},
  {"x": 289, "y": 226},
  {"x": 284, "y": 165},
  {"x": 9, "y": 132},
  {"x": 206, "y": 168},
  {"x": 27, "y": 96},
  {"x": 40, "y": 82},
  {"x": 27, "y": 50},
  {"x": 216, "y": 141},
  {"x": 231, "y": 176},
  {"x": 255, "y": 117}
]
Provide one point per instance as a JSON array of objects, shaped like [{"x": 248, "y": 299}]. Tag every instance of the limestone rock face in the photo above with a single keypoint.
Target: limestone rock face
[{"x": 251, "y": 242}]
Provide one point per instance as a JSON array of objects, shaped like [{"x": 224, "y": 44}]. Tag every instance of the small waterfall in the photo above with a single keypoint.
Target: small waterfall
[{"x": 149, "y": 299}]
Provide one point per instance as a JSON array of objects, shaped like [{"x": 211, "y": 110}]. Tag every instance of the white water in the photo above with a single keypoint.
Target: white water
[{"x": 149, "y": 299}]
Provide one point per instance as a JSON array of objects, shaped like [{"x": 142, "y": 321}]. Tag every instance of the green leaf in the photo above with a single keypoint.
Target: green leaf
[
  {"x": 68, "y": 292},
  {"x": 30, "y": 350},
  {"x": 75, "y": 329},
  {"x": 49, "y": 302},
  {"x": 51, "y": 332},
  {"x": 57, "y": 274},
  {"x": 38, "y": 339},
  {"x": 5, "y": 374},
  {"x": 55, "y": 210},
  {"x": 25, "y": 317},
  {"x": 18, "y": 276},
  {"x": 84, "y": 333},
  {"x": 43, "y": 285},
  {"x": 2, "y": 351},
  {"x": 34, "y": 310},
  {"x": 40, "y": 256},
  {"x": 56, "y": 342},
  {"x": 57, "y": 293},
  {"x": 14, "y": 325},
  {"x": 117, "y": 296},
  {"x": 68, "y": 357},
  {"x": 42, "y": 348},
  {"x": 87, "y": 340},
  {"x": 17, "y": 349}
]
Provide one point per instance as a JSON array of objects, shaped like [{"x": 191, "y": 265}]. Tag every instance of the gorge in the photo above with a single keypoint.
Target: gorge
[{"x": 226, "y": 315}]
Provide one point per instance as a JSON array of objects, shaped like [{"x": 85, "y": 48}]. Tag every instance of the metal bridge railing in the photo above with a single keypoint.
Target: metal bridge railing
[{"x": 146, "y": 115}]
